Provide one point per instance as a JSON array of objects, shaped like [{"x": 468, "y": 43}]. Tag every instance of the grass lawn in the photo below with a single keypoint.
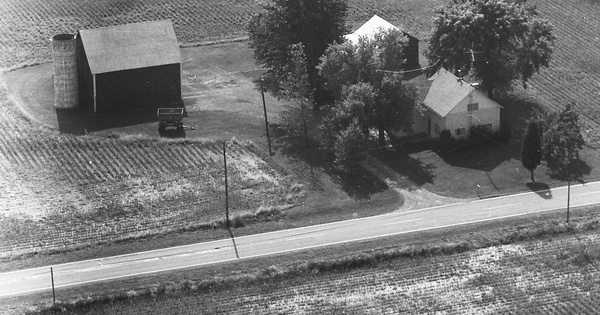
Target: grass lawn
[{"x": 496, "y": 169}]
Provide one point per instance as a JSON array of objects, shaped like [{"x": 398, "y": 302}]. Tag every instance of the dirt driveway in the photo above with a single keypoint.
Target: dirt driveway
[{"x": 219, "y": 87}]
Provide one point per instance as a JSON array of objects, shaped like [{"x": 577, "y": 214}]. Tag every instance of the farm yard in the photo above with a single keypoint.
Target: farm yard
[
  {"x": 72, "y": 191},
  {"x": 61, "y": 191}
]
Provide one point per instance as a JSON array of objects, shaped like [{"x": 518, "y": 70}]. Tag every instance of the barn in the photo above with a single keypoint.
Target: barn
[{"x": 129, "y": 67}]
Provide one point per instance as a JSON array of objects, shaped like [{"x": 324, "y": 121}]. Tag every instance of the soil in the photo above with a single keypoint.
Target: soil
[{"x": 219, "y": 90}]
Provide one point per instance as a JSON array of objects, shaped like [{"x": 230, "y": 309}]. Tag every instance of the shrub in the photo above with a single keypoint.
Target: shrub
[
  {"x": 348, "y": 144},
  {"x": 504, "y": 135},
  {"x": 445, "y": 142},
  {"x": 480, "y": 136}
]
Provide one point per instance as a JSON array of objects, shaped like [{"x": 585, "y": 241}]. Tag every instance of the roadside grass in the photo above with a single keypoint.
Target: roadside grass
[{"x": 287, "y": 273}]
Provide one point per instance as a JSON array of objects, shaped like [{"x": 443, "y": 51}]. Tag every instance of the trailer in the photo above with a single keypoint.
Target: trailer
[{"x": 170, "y": 118}]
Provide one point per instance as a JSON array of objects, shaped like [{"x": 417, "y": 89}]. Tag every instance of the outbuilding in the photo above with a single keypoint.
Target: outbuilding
[
  {"x": 376, "y": 24},
  {"x": 129, "y": 67}
]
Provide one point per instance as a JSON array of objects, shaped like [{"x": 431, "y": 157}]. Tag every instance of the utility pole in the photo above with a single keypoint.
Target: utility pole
[
  {"x": 262, "y": 92},
  {"x": 226, "y": 189},
  {"x": 53, "y": 295}
]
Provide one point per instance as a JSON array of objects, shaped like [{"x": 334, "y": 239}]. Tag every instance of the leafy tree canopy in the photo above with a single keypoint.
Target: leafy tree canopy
[
  {"x": 562, "y": 140},
  {"x": 364, "y": 79},
  {"x": 312, "y": 23},
  {"x": 492, "y": 40}
]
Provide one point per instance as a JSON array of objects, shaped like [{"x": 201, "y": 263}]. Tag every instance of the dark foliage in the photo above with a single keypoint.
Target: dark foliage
[
  {"x": 313, "y": 23},
  {"x": 562, "y": 140},
  {"x": 495, "y": 41},
  {"x": 531, "y": 153}
]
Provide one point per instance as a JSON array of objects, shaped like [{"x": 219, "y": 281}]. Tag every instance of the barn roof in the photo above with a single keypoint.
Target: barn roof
[
  {"x": 445, "y": 92},
  {"x": 371, "y": 27},
  {"x": 130, "y": 46}
]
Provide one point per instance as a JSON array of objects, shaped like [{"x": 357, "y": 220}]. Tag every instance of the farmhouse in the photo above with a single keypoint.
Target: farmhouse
[
  {"x": 376, "y": 24},
  {"x": 129, "y": 66},
  {"x": 455, "y": 105}
]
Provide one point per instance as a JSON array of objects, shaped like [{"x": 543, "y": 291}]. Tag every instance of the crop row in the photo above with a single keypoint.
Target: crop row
[
  {"x": 575, "y": 72},
  {"x": 558, "y": 277},
  {"x": 27, "y": 26},
  {"x": 62, "y": 190}
]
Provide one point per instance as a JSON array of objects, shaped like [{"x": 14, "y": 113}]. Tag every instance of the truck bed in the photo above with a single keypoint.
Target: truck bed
[{"x": 169, "y": 114}]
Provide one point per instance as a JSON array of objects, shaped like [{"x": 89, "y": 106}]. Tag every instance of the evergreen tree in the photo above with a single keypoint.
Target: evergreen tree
[{"x": 531, "y": 153}]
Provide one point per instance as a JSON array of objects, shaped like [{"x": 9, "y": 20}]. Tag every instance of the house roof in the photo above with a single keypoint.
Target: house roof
[
  {"x": 131, "y": 46},
  {"x": 371, "y": 27},
  {"x": 422, "y": 83},
  {"x": 446, "y": 92}
]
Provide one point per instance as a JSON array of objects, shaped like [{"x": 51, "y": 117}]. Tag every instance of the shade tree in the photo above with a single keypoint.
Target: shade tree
[
  {"x": 282, "y": 23},
  {"x": 366, "y": 80},
  {"x": 494, "y": 41}
]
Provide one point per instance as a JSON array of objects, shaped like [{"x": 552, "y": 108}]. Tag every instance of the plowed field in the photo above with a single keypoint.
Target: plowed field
[
  {"x": 574, "y": 76},
  {"x": 541, "y": 277},
  {"x": 66, "y": 191}
]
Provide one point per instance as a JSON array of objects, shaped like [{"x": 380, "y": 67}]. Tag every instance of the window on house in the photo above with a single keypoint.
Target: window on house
[
  {"x": 460, "y": 131},
  {"x": 472, "y": 107},
  {"x": 488, "y": 127},
  {"x": 436, "y": 128}
]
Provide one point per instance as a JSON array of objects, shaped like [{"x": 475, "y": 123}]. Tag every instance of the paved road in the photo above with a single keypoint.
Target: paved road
[{"x": 76, "y": 273}]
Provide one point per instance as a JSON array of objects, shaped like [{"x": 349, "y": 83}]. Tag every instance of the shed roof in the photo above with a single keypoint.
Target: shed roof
[
  {"x": 371, "y": 27},
  {"x": 446, "y": 92},
  {"x": 131, "y": 46}
]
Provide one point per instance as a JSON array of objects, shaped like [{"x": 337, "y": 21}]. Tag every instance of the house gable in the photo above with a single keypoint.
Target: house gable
[
  {"x": 450, "y": 103},
  {"x": 446, "y": 92},
  {"x": 476, "y": 97}
]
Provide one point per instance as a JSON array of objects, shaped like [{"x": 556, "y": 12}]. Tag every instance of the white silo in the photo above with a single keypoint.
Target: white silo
[{"x": 66, "y": 87}]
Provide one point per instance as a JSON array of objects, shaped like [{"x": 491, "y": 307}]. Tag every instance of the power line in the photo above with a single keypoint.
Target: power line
[{"x": 409, "y": 71}]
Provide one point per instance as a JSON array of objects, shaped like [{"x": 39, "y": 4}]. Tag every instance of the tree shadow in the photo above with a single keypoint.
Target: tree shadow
[
  {"x": 541, "y": 189},
  {"x": 572, "y": 172},
  {"x": 415, "y": 170},
  {"x": 483, "y": 159},
  {"x": 358, "y": 183},
  {"x": 517, "y": 109}
]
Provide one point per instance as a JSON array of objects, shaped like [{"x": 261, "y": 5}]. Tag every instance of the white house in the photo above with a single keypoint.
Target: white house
[
  {"x": 376, "y": 24},
  {"x": 455, "y": 105}
]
